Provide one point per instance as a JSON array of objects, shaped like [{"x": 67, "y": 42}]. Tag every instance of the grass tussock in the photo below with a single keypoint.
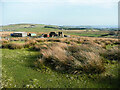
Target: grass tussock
[
  {"x": 70, "y": 54},
  {"x": 54, "y": 40},
  {"x": 112, "y": 53},
  {"x": 71, "y": 59},
  {"x": 38, "y": 47},
  {"x": 13, "y": 45},
  {"x": 41, "y": 39},
  {"x": 29, "y": 43},
  {"x": 4, "y": 41}
]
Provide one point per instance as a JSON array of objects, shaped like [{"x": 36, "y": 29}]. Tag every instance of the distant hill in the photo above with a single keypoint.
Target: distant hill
[
  {"x": 48, "y": 28},
  {"x": 28, "y": 27}
]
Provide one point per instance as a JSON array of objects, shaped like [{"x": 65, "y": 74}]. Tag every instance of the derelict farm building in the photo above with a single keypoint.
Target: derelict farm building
[{"x": 19, "y": 34}]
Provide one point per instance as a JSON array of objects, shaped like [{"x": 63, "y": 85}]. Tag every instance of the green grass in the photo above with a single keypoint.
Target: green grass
[
  {"x": 89, "y": 35},
  {"x": 37, "y": 28},
  {"x": 40, "y": 28},
  {"x": 19, "y": 71},
  {"x": 110, "y": 46},
  {"x": 86, "y": 33}
]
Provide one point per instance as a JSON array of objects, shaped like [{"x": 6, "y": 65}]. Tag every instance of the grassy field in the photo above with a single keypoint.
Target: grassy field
[
  {"x": 21, "y": 27},
  {"x": 75, "y": 62},
  {"x": 19, "y": 71},
  {"x": 40, "y": 28},
  {"x": 87, "y": 33},
  {"x": 19, "y": 68}
]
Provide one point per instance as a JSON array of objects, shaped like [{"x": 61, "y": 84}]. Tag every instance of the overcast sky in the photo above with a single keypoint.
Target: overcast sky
[{"x": 59, "y": 12}]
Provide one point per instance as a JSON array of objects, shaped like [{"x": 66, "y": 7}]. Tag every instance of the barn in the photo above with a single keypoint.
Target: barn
[
  {"x": 51, "y": 34},
  {"x": 19, "y": 34},
  {"x": 32, "y": 34},
  {"x": 60, "y": 34}
]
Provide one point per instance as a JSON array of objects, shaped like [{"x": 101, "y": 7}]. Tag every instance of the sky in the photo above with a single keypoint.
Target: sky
[{"x": 59, "y": 12}]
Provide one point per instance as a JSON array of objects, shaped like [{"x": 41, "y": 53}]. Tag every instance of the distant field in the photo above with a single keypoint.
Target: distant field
[
  {"x": 39, "y": 28},
  {"x": 27, "y": 28}
]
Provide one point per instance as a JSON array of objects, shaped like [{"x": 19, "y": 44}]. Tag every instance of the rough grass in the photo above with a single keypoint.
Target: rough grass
[
  {"x": 18, "y": 71},
  {"x": 72, "y": 59},
  {"x": 72, "y": 62},
  {"x": 112, "y": 53},
  {"x": 13, "y": 45}
]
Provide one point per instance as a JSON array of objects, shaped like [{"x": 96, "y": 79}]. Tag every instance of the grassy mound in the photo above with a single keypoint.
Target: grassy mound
[{"x": 71, "y": 58}]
